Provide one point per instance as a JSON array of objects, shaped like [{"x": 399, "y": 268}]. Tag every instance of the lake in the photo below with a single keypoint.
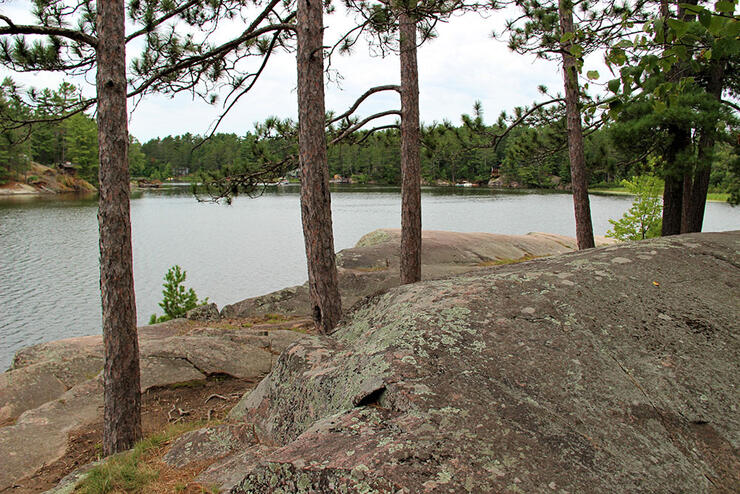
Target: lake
[{"x": 49, "y": 246}]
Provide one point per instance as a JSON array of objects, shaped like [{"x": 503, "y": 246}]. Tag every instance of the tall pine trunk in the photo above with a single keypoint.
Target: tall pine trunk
[
  {"x": 678, "y": 181},
  {"x": 673, "y": 191},
  {"x": 696, "y": 197},
  {"x": 315, "y": 198},
  {"x": 579, "y": 178},
  {"x": 410, "y": 157},
  {"x": 122, "y": 396}
]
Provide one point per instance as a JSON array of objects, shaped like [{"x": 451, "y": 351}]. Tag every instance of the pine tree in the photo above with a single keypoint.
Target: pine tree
[
  {"x": 86, "y": 37},
  {"x": 315, "y": 197},
  {"x": 548, "y": 30},
  {"x": 680, "y": 68}
]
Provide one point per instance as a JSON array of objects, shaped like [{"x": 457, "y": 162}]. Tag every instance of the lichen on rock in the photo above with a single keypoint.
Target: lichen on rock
[{"x": 508, "y": 379}]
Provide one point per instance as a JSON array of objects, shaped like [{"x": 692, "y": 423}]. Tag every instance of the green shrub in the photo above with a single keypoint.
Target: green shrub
[{"x": 643, "y": 220}]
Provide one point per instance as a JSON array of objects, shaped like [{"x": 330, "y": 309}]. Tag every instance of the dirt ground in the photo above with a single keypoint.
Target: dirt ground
[{"x": 200, "y": 402}]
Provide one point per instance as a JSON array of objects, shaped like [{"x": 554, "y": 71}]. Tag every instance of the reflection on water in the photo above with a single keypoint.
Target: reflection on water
[{"x": 49, "y": 246}]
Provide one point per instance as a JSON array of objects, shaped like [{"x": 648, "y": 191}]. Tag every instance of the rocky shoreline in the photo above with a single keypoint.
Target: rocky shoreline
[
  {"x": 42, "y": 181},
  {"x": 590, "y": 337}
]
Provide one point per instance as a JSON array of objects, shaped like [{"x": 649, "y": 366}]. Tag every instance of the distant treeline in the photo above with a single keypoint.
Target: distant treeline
[
  {"x": 531, "y": 157},
  {"x": 526, "y": 156}
]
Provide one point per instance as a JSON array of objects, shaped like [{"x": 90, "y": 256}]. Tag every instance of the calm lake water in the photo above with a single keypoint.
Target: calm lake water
[{"x": 49, "y": 247}]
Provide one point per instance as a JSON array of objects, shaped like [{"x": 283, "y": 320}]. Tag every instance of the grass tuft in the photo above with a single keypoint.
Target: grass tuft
[{"x": 130, "y": 471}]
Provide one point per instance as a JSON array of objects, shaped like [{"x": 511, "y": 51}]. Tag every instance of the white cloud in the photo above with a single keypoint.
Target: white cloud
[{"x": 462, "y": 65}]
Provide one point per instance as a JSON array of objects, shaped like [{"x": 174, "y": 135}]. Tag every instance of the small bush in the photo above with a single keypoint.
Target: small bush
[
  {"x": 176, "y": 299},
  {"x": 643, "y": 220}
]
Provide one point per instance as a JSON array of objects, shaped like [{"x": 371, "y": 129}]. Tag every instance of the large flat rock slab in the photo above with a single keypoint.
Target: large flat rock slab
[
  {"x": 39, "y": 436},
  {"x": 373, "y": 264},
  {"x": 611, "y": 370}
]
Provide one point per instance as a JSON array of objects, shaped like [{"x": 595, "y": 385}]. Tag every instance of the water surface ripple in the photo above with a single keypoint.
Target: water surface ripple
[{"x": 49, "y": 286}]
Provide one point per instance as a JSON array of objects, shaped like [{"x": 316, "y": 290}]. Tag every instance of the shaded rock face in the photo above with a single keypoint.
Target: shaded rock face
[
  {"x": 373, "y": 265},
  {"x": 207, "y": 443},
  {"x": 611, "y": 370},
  {"x": 205, "y": 312}
]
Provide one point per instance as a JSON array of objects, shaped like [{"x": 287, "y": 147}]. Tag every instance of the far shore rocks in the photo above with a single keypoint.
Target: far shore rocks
[{"x": 44, "y": 180}]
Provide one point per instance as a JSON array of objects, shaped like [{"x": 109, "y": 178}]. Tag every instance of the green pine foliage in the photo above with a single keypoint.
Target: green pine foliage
[
  {"x": 73, "y": 139},
  {"x": 177, "y": 300},
  {"x": 14, "y": 148},
  {"x": 531, "y": 155},
  {"x": 643, "y": 220}
]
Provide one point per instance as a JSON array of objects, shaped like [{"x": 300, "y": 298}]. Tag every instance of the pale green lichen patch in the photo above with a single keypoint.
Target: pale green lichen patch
[{"x": 373, "y": 238}]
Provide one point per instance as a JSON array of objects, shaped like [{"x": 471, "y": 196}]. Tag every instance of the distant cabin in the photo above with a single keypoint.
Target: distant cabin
[{"x": 68, "y": 168}]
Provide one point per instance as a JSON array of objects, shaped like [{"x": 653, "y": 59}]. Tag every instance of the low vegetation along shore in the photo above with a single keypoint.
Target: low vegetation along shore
[
  {"x": 622, "y": 191},
  {"x": 44, "y": 180}
]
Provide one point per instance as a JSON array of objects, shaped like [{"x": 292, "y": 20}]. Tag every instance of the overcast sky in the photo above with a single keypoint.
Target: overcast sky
[{"x": 462, "y": 65}]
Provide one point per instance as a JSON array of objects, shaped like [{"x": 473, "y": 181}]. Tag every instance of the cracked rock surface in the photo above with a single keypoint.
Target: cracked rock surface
[
  {"x": 55, "y": 388},
  {"x": 611, "y": 370}
]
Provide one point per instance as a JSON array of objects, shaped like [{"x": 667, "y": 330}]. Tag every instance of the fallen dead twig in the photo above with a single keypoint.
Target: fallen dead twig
[{"x": 216, "y": 396}]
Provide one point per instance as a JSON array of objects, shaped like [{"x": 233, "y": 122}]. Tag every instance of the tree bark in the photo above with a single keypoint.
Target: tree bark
[
  {"x": 696, "y": 198},
  {"x": 579, "y": 178},
  {"x": 315, "y": 197},
  {"x": 673, "y": 191},
  {"x": 678, "y": 174},
  {"x": 122, "y": 396},
  {"x": 410, "y": 156}
]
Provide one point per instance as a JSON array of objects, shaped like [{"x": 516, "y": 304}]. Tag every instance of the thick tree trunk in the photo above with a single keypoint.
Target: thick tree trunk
[
  {"x": 672, "y": 205},
  {"x": 678, "y": 172},
  {"x": 673, "y": 191},
  {"x": 693, "y": 210},
  {"x": 688, "y": 183},
  {"x": 122, "y": 409},
  {"x": 579, "y": 178},
  {"x": 315, "y": 197},
  {"x": 692, "y": 219},
  {"x": 410, "y": 157}
]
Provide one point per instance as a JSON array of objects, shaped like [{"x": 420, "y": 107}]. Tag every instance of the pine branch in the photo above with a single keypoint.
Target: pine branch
[
  {"x": 375, "y": 129},
  {"x": 159, "y": 21},
  {"x": 361, "y": 123},
  {"x": 226, "y": 187},
  {"x": 255, "y": 77},
  {"x": 365, "y": 95},
  {"x": 214, "y": 53},
  {"x": 730, "y": 104},
  {"x": 62, "y": 32},
  {"x": 499, "y": 137}
]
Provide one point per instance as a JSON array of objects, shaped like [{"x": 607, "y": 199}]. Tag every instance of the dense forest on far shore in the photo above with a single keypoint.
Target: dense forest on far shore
[{"x": 528, "y": 156}]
